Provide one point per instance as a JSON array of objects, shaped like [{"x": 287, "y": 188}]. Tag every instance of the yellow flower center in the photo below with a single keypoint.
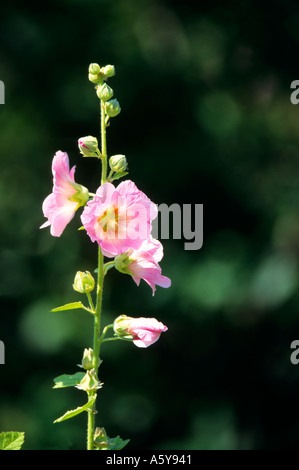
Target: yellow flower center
[{"x": 109, "y": 220}]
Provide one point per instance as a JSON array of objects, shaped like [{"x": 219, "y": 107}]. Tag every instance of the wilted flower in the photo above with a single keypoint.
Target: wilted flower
[{"x": 142, "y": 331}]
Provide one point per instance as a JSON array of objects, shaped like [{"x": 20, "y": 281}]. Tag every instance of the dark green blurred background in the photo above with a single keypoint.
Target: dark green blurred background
[{"x": 206, "y": 119}]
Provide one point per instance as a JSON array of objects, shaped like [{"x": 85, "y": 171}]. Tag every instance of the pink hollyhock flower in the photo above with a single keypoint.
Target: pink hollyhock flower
[
  {"x": 143, "y": 264},
  {"x": 119, "y": 218},
  {"x": 143, "y": 331},
  {"x": 60, "y": 206}
]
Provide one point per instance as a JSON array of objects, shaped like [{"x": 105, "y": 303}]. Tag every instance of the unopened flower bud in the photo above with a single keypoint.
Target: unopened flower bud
[
  {"x": 118, "y": 163},
  {"x": 87, "y": 360},
  {"x": 108, "y": 71},
  {"x": 112, "y": 108},
  {"x": 84, "y": 282},
  {"x": 88, "y": 146},
  {"x": 93, "y": 78},
  {"x": 104, "y": 92},
  {"x": 89, "y": 383},
  {"x": 94, "y": 69},
  {"x": 94, "y": 73}
]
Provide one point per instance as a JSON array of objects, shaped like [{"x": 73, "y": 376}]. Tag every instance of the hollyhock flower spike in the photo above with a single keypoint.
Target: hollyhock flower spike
[
  {"x": 66, "y": 197},
  {"x": 143, "y": 331},
  {"x": 119, "y": 218},
  {"x": 143, "y": 264}
]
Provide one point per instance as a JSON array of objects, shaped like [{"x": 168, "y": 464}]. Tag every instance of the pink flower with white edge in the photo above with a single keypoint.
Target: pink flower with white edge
[
  {"x": 119, "y": 218},
  {"x": 144, "y": 264},
  {"x": 143, "y": 331},
  {"x": 60, "y": 206}
]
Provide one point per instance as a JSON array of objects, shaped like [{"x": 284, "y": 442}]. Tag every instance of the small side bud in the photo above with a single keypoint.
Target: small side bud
[
  {"x": 94, "y": 73},
  {"x": 88, "y": 146},
  {"x": 87, "y": 360},
  {"x": 90, "y": 383},
  {"x": 84, "y": 282},
  {"x": 112, "y": 108},
  {"x": 108, "y": 71},
  {"x": 94, "y": 69},
  {"x": 118, "y": 163},
  {"x": 104, "y": 92}
]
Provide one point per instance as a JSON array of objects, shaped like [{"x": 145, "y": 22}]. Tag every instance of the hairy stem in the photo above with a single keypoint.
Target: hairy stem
[{"x": 99, "y": 294}]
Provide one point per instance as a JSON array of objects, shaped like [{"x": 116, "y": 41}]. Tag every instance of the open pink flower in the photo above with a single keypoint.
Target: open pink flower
[
  {"x": 119, "y": 218},
  {"x": 143, "y": 331},
  {"x": 143, "y": 264},
  {"x": 60, "y": 206}
]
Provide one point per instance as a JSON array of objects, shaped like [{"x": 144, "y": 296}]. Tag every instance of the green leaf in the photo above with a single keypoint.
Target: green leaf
[
  {"x": 66, "y": 380},
  {"x": 117, "y": 176},
  {"x": 103, "y": 442},
  {"x": 71, "y": 413},
  {"x": 11, "y": 440},
  {"x": 117, "y": 443},
  {"x": 71, "y": 306}
]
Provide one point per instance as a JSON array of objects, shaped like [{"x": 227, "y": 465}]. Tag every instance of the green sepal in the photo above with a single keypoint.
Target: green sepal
[
  {"x": 71, "y": 306},
  {"x": 11, "y": 440},
  {"x": 119, "y": 175},
  {"x": 103, "y": 442},
  {"x": 67, "y": 380},
  {"x": 71, "y": 413},
  {"x": 89, "y": 382}
]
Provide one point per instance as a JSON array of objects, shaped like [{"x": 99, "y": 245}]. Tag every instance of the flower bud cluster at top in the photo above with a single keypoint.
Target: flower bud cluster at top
[
  {"x": 88, "y": 145},
  {"x": 98, "y": 75}
]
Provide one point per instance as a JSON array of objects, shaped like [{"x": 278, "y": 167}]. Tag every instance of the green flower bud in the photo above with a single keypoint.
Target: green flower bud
[
  {"x": 108, "y": 71},
  {"x": 118, "y": 163},
  {"x": 101, "y": 439},
  {"x": 87, "y": 360},
  {"x": 84, "y": 282},
  {"x": 94, "y": 69},
  {"x": 89, "y": 383},
  {"x": 112, "y": 108},
  {"x": 88, "y": 146},
  {"x": 104, "y": 92},
  {"x": 93, "y": 78}
]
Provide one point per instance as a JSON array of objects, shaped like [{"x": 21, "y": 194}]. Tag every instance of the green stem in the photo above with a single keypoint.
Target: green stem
[
  {"x": 90, "y": 428},
  {"x": 108, "y": 266},
  {"x": 96, "y": 344},
  {"x": 90, "y": 302},
  {"x": 100, "y": 284},
  {"x": 103, "y": 143}
]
